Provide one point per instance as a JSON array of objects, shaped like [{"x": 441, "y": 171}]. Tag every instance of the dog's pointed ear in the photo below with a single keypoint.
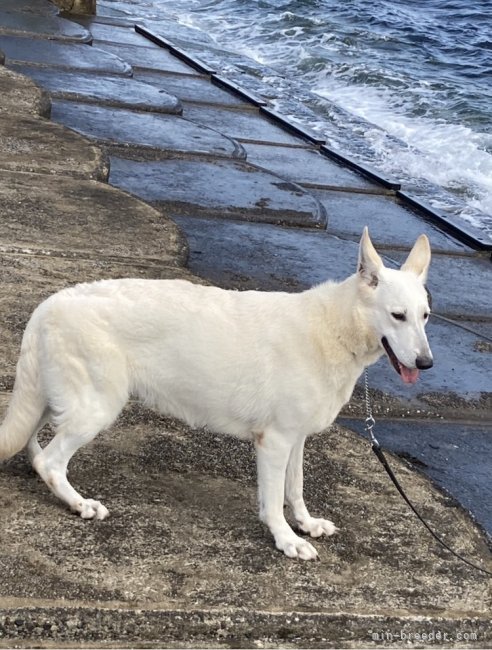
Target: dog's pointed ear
[
  {"x": 419, "y": 258},
  {"x": 370, "y": 263}
]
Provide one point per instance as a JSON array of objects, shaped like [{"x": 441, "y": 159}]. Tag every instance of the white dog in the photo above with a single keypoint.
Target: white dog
[{"x": 267, "y": 366}]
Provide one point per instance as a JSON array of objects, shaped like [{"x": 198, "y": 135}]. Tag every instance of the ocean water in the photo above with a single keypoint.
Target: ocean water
[{"x": 403, "y": 86}]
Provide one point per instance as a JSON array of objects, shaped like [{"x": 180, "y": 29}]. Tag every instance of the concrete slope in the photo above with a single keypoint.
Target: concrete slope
[{"x": 183, "y": 560}]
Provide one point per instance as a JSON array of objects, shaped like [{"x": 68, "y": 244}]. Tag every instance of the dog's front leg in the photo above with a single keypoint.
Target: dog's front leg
[
  {"x": 273, "y": 452},
  {"x": 294, "y": 483}
]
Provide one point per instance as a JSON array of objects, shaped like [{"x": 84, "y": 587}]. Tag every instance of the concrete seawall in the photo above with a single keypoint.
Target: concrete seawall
[{"x": 121, "y": 159}]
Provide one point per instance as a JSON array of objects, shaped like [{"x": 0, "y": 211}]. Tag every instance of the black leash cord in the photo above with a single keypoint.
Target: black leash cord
[{"x": 376, "y": 447}]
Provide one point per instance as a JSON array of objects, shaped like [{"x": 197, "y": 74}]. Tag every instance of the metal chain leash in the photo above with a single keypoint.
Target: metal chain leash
[
  {"x": 370, "y": 421},
  {"x": 376, "y": 448}
]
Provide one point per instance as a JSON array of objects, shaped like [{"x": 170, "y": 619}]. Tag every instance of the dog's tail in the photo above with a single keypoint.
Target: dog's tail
[{"x": 27, "y": 404}]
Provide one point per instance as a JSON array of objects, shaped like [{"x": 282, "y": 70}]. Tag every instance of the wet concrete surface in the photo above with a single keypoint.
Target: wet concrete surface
[
  {"x": 218, "y": 188},
  {"x": 478, "y": 224},
  {"x": 307, "y": 167},
  {"x": 42, "y": 26},
  {"x": 170, "y": 135},
  {"x": 115, "y": 34},
  {"x": 469, "y": 276},
  {"x": 245, "y": 126},
  {"x": 263, "y": 256},
  {"x": 57, "y": 55},
  {"x": 455, "y": 456},
  {"x": 192, "y": 89},
  {"x": 145, "y": 58},
  {"x": 391, "y": 224},
  {"x": 183, "y": 560},
  {"x": 109, "y": 90}
]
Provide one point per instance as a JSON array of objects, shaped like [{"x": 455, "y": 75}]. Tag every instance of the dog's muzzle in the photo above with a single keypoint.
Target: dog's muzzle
[{"x": 409, "y": 375}]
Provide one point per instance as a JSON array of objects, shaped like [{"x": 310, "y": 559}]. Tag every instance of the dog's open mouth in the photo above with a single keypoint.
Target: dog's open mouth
[{"x": 409, "y": 375}]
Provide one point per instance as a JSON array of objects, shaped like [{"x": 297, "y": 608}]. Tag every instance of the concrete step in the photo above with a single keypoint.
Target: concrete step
[
  {"x": 80, "y": 217},
  {"x": 308, "y": 167},
  {"x": 198, "y": 90},
  {"x": 218, "y": 188},
  {"x": 21, "y": 96},
  {"x": 108, "y": 91},
  {"x": 102, "y": 32},
  {"x": 147, "y": 58},
  {"x": 31, "y": 144},
  {"x": 391, "y": 224},
  {"x": 156, "y": 134},
  {"x": 19, "y": 23},
  {"x": 245, "y": 126},
  {"x": 45, "y": 53}
]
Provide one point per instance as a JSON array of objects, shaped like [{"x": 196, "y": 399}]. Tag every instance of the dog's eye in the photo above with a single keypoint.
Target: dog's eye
[
  {"x": 426, "y": 315},
  {"x": 398, "y": 316}
]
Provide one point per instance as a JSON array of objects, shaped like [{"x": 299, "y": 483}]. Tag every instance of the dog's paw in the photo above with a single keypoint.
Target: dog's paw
[
  {"x": 90, "y": 509},
  {"x": 296, "y": 547},
  {"x": 317, "y": 527}
]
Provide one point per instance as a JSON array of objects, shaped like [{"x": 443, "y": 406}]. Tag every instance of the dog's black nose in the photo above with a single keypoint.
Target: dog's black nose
[{"x": 424, "y": 363}]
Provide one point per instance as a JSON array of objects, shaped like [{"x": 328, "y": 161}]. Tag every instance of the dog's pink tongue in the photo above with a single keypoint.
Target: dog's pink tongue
[{"x": 409, "y": 375}]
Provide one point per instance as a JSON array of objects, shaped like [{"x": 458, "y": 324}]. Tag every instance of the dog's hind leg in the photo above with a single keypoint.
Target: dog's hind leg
[
  {"x": 51, "y": 463},
  {"x": 273, "y": 451},
  {"x": 76, "y": 424},
  {"x": 294, "y": 481},
  {"x": 86, "y": 383}
]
